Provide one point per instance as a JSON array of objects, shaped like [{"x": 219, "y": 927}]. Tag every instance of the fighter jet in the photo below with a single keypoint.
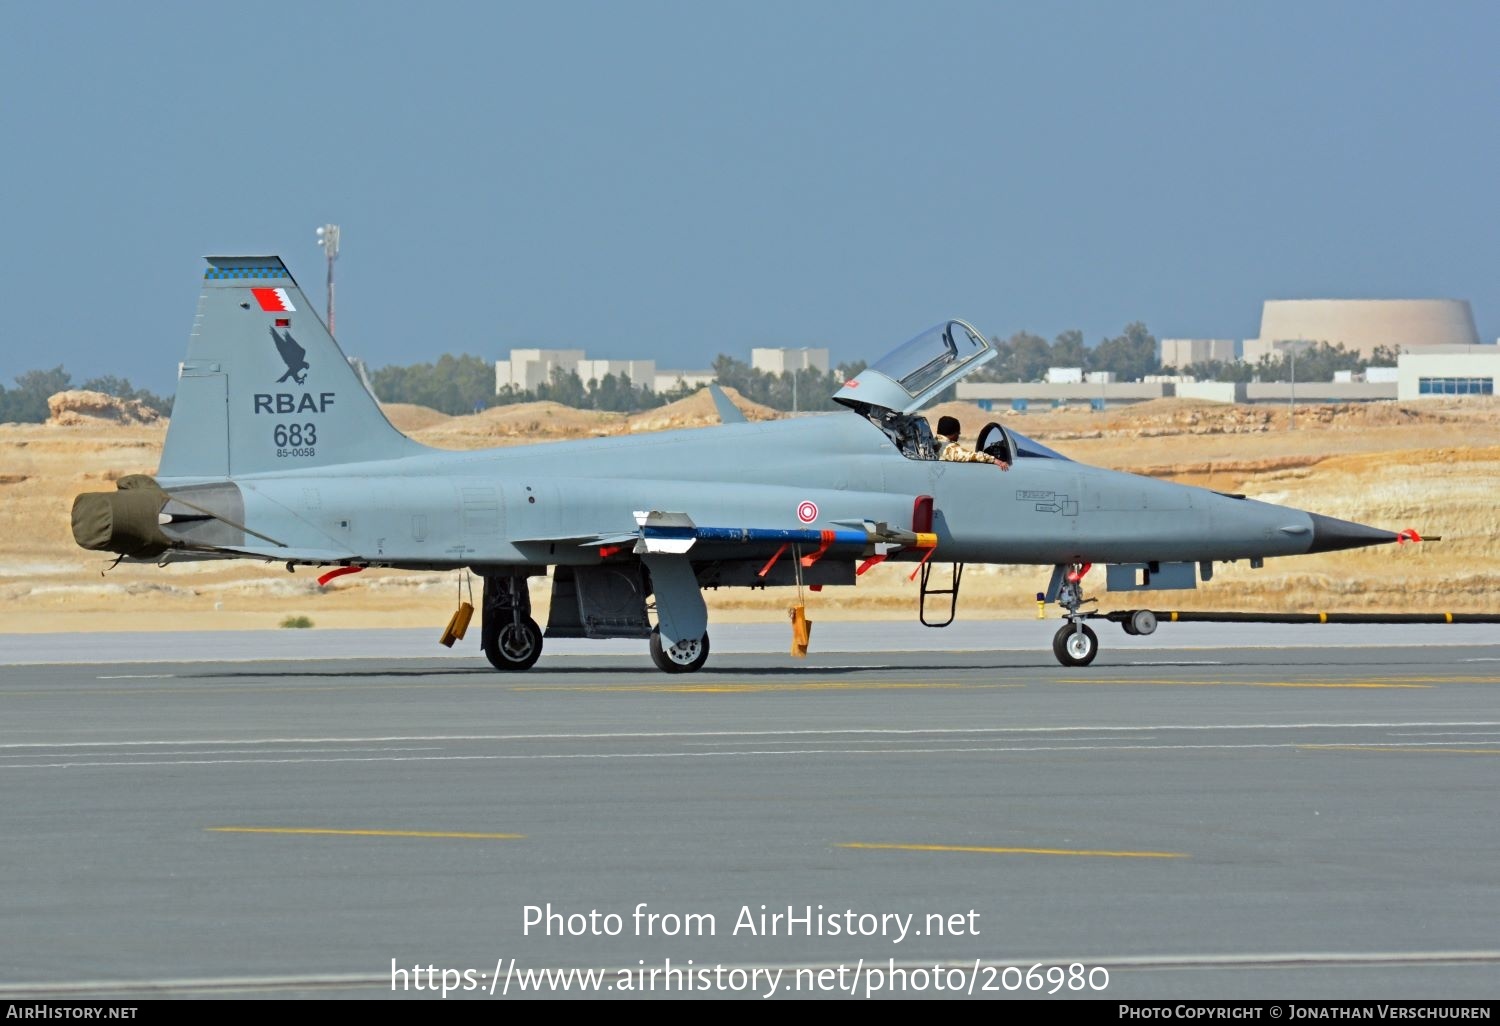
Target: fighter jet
[{"x": 276, "y": 452}]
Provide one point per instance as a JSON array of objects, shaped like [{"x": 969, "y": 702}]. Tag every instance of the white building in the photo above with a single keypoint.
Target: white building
[
  {"x": 528, "y": 368},
  {"x": 1182, "y": 352},
  {"x": 1064, "y": 375},
  {"x": 667, "y": 380},
  {"x": 779, "y": 361},
  {"x": 1255, "y": 349},
  {"x": 1363, "y": 325},
  {"x": 642, "y": 372},
  {"x": 1448, "y": 371}
]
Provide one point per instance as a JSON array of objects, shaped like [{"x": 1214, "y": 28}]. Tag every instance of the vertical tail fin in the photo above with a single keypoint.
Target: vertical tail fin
[{"x": 265, "y": 387}]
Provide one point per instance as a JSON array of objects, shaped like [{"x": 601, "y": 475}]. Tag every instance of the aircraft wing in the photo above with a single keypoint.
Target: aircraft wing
[
  {"x": 671, "y": 532},
  {"x": 583, "y": 541},
  {"x": 274, "y": 553},
  {"x": 664, "y": 532}
]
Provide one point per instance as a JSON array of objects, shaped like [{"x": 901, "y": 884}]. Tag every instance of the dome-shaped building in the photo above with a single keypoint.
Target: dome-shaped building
[{"x": 1362, "y": 325}]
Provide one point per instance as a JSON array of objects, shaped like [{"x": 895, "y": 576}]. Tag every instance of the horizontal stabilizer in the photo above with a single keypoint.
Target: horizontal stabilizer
[{"x": 728, "y": 412}]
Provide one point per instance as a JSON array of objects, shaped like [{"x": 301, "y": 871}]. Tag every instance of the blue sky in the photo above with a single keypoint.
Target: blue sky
[{"x": 675, "y": 180}]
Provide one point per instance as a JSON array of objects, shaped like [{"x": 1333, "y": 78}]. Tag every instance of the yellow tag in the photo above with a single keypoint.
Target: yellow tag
[
  {"x": 458, "y": 624},
  {"x": 461, "y": 619},
  {"x": 801, "y": 631}
]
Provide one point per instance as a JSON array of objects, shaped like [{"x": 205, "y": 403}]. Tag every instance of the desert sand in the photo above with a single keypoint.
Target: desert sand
[{"x": 1432, "y": 465}]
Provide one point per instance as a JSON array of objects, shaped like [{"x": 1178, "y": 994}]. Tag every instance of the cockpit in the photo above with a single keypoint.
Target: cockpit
[
  {"x": 892, "y": 391},
  {"x": 935, "y": 359},
  {"x": 998, "y": 440}
]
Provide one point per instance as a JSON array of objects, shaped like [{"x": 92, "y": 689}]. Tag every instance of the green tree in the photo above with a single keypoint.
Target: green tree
[
  {"x": 121, "y": 388},
  {"x": 1068, "y": 350},
  {"x": 729, "y": 371},
  {"x": 1219, "y": 370},
  {"x": 1030, "y": 357},
  {"x": 680, "y": 390},
  {"x": 619, "y": 395},
  {"x": 564, "y": 386},
  {"x": 510, "y": 394},
  {"x": 1315, "y": 363},
  {"x": 848, "y": 371},
  {"x": 453, "y": 385},
  {"x": 27, "y": 402},
  {"x": 814, "y": 389},
  {"x": 1131, "y": 355}
]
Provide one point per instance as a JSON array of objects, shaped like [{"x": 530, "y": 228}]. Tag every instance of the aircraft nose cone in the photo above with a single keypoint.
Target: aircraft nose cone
[{"x": 1330, "y": 534}]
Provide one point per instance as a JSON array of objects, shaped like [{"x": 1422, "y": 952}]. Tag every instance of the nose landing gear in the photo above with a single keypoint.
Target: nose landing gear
[{"x": 1075, "y": 644}]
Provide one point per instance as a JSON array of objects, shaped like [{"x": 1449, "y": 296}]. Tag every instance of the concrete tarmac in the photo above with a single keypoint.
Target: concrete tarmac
[{"x": 1273, "y": 822}]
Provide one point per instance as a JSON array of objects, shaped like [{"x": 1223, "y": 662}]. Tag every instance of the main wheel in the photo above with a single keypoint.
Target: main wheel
[
  {"x": 683, "y": 657},
  {"x": 1075, "y": 646},
  {"x": 515, "y": 646}
]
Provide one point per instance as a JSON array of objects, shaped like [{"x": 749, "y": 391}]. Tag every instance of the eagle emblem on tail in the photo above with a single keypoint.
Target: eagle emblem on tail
[{"x": 293, "y": 355}]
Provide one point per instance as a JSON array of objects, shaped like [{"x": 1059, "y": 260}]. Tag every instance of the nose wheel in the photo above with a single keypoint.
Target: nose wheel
[{"x": 1075, "y": 644}]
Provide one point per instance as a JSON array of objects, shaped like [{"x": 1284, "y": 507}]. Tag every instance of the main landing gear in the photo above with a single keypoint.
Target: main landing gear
[
  {"x": 680, "y": 614},
  {"x": 609, "y": 603},
  {"x": 683, "y": 657},
  {"x": 511, "y": 639},
  {"x": 515, "y": 646}
]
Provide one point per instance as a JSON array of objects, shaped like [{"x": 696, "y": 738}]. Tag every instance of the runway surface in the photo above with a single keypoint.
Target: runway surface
[{"x": 1286, "y": 821}]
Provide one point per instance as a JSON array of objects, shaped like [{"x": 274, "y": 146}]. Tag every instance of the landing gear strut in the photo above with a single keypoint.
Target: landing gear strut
[
  {"x": 512, "y": 640},
  {"x": 1074, "y": 644},
  {"x": 679, "y": 641}
]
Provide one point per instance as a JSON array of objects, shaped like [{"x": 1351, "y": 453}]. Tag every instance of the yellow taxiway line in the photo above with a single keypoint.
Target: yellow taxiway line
[
  {"x": 1243, "y": 683},
  {"x": 975, "y": 849},
  {"x": 733, "y": 687},
  {"x": 1420, "y": 749}
]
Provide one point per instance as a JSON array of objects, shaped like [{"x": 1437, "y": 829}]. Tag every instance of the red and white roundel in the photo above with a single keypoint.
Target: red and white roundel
[{"x": 807, "y": 512}]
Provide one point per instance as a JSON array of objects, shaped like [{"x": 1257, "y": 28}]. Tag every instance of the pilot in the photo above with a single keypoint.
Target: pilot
[{"x": 948, "y": 431}]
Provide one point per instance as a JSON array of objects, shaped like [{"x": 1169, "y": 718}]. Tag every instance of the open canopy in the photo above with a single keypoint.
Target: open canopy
[{"x": 911, "y": 376}]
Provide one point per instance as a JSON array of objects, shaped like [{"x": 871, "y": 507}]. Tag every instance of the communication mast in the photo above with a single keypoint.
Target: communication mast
[{"x": 328, "y": 238}]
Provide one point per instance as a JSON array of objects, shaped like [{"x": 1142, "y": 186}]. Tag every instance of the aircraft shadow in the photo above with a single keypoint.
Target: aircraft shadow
[
  {"x": 612, "y": 671},
  {"x": 914, "y": 671}
]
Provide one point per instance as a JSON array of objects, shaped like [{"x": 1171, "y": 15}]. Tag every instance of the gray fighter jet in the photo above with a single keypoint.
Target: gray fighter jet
[{"x": 276, "y": 452}]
